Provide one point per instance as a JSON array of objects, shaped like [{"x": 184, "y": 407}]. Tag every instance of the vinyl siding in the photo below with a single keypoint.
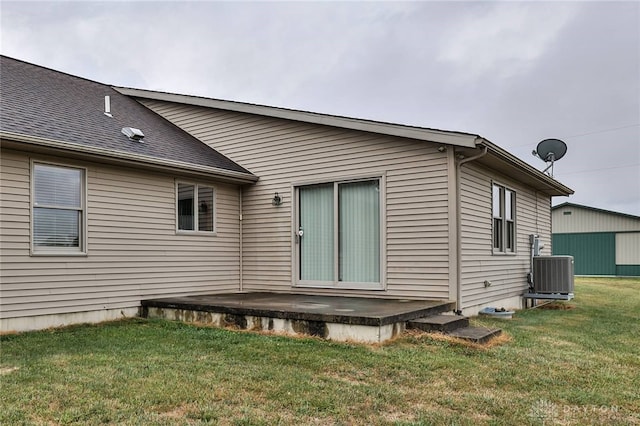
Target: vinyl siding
[
  {"x": 133, "y": 250},
  {"x": 284, "y": 153},
  {"x": 506, "y": 272}
]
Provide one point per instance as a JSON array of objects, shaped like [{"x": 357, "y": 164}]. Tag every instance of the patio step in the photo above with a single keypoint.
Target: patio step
[
  {"x": 479, "y": 335},
  {"x": 455, "y": 326},
  {"x": 443, "y": 323}
]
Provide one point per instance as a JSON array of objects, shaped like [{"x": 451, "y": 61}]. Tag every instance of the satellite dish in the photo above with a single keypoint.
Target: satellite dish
[{"x": 550, "y": 150}]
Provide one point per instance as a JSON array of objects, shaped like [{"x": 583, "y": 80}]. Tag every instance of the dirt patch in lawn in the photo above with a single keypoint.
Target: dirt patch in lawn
[
  {"x": 8, "y": 370},
  {"x": 557, "y": 306}
]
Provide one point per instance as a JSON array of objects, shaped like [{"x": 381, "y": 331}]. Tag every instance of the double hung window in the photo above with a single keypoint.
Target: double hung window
[
  {"x": 195, "y": 208},
  {"x": 58, "y": 203},
  {"x": 504, "y": 219}
]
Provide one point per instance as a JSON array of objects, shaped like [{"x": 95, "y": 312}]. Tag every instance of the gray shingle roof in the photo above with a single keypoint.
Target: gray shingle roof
[{"x": 40, "y": 102}]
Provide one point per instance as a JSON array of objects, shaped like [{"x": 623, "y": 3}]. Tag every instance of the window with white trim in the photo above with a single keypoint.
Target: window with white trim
[
  {"x": 504, "y": 219},
  {"x": 58, "y": 202},
  {"x": 195, "y": 207}
]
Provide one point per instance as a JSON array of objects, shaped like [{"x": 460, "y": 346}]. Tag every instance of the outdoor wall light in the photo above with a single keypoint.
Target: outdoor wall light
[{"x": 277, "y": 200}]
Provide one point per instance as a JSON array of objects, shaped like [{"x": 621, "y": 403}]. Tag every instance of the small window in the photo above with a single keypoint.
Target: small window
[
  {"x": 58, "y": 219},
  {"x": 195, "y": 209},
  {"x": 504, "y": 219}
]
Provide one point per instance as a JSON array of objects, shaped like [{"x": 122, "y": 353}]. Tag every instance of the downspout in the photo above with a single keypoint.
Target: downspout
[
  {"x": 240, "y": 287},
  {"x": 459, "y": 164}
]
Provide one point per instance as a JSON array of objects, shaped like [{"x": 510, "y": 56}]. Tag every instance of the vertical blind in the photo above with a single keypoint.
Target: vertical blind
[
  {"x": 57, "y": 206},
  {"x": 359, "y": 231},
  {"x": 356, "y": 221},
  {"x": 317, "y": 223}
]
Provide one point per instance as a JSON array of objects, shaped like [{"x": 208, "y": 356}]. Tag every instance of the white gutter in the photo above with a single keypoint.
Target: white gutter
[
  {"x": 459, "y": 228},
  {"x": 127, "y": 157}
]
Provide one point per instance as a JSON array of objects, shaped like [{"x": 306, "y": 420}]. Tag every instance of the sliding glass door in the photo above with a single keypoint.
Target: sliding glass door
[{"x": 338, "y": 235}]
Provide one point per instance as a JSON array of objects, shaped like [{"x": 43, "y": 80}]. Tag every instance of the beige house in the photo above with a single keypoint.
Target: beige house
[{"x": 223, "y": 197}]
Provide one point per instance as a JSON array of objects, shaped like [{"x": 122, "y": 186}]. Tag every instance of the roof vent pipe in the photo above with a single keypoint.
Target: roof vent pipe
[
  {"x": 107, "y": 106},
  {"x": 133, "y": 133}
]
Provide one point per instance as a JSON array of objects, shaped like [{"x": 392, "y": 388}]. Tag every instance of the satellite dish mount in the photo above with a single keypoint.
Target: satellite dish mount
[{"x": 550, "y": 151}]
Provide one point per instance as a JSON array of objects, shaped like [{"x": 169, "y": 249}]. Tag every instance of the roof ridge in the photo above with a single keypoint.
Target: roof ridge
[
  {"x": 41, "y": 102},
  {"x": 77, "y": 77}
]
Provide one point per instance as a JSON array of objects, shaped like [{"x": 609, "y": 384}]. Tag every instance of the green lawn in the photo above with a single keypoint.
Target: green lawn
[{"x": 557, "y": 366}]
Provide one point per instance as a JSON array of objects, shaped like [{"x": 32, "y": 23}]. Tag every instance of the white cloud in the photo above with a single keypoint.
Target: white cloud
[
  {"x": 503, "y": 38},
  {"x": 514, "y": 72}
]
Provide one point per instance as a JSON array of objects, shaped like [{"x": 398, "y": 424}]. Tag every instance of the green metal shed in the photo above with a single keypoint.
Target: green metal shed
[{"x": 602, "y": 242}]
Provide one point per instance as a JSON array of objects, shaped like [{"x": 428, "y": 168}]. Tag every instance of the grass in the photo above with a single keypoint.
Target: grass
[{"x": 575, "y": 365}]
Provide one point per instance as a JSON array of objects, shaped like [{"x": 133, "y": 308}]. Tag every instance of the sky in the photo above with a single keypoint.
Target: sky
[{"x": 513, "y": 72}]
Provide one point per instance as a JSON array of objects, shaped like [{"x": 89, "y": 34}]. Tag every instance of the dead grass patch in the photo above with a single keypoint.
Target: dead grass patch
[
  {"x": 398, "y": 416},
  {"x": 557, "y": 306},
  {"x": 179, "y": 412},
  {"x": 345, "y": 379},
  {"x": 442, "y": 337},
  {"x": 8, "y": 370}
]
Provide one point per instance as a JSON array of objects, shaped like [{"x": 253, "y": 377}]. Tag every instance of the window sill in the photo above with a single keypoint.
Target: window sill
[
  {"x": 503, "y": 253},
  {"x": 201, "y": 233},
  {"x": 59, "y": 253}
]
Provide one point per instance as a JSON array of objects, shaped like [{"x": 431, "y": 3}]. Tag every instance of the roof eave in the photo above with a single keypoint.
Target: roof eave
[
  {"x": 547, "y": 183},
  {"x": 433, "y": 135},
  {"x": 121, "y": 157},
  {"x": 595, "y": 209}
]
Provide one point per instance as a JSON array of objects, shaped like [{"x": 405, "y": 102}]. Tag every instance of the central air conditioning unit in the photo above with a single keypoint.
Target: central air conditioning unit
[{"x": 553, "y": 274}]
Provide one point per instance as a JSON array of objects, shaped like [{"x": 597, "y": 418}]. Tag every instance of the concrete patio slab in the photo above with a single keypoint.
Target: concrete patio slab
[{"x": 331, "y": 317}]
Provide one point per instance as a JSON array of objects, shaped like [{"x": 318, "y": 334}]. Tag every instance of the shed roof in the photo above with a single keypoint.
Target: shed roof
[
  {"x": 47, "y": 108},
  {"x": 594, "y": 209}
]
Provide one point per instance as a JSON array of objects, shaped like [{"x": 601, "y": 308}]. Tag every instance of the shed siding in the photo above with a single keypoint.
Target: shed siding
[
  {"x": 601, "y": 242},
  {"x": 506, "y": 273},
  {"x": 628, "y": 248},
  {"x": 571, "y": 219},
  {"x": 284, "y": 153},
  {"x": 594, "y": 253},
  {"x": 133, "y": 251}
]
